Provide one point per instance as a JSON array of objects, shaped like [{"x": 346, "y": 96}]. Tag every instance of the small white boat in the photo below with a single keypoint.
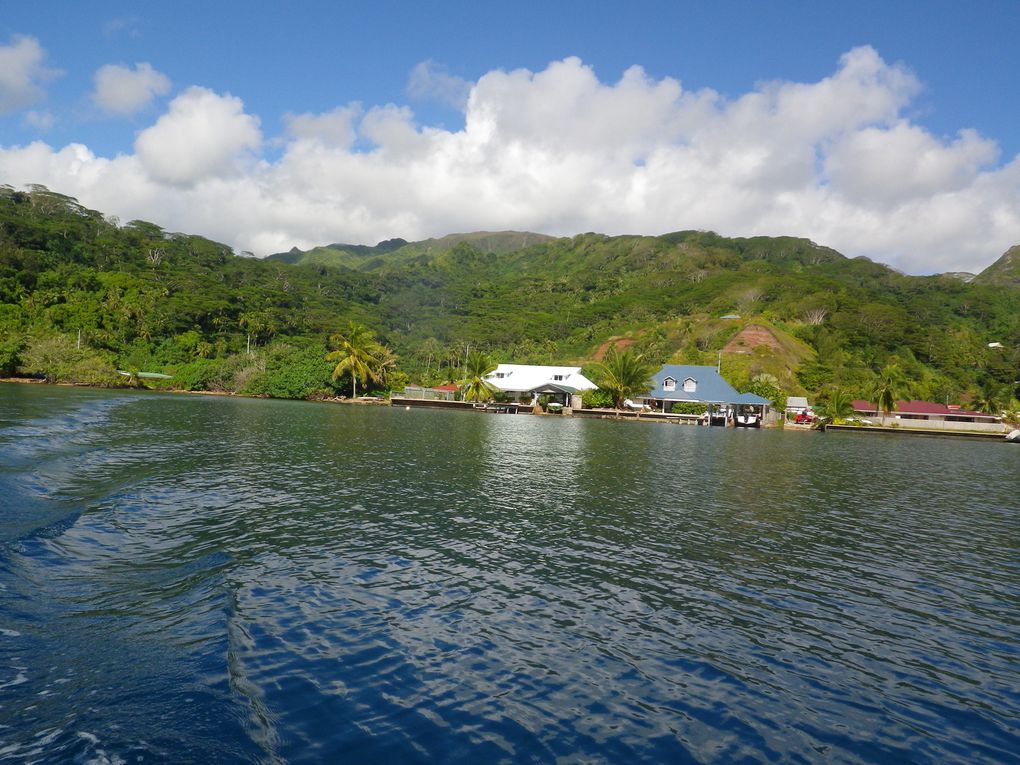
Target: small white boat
[{"x": 1013, "y": 436}]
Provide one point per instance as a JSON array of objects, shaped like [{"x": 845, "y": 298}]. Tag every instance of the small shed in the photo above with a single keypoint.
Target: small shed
[{"x": 796, "y": 405}]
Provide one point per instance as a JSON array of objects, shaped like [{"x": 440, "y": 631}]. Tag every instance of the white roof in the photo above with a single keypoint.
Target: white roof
[
  {"x": 796, "y": 402},
  {"x": 525, "y": 377}
]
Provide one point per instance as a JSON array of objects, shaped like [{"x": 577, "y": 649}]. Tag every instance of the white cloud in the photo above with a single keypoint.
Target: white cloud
[
  {"x": 22, "y": 72},
  {"x": 334, "y": 128},
  {"x": 127, "y": 25},
  {"x": 41, "y": 121},
  {"x": 430, "y": 81},
  {"x": 559, "y": 151},
  {"x": 203, "y": 135},
  {"x": 123, "y": 91},
  {"x": 902, "y": 163}
]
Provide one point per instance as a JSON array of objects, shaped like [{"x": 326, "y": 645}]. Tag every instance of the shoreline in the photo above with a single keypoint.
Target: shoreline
[
  {"x": 605, "y": 414},
  {"x": 361, "y": 400}
]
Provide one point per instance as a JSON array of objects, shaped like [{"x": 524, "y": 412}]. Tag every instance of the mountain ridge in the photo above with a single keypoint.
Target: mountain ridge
[
  {"x": 1004, "y": 271},
  {"x": 369, "y": 257}
]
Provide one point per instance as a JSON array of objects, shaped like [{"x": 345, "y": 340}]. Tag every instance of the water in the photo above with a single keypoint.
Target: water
[{"x": 191, "y": 579}]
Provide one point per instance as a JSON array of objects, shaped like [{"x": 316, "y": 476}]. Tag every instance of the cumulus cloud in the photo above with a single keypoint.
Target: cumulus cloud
[
  {"x": 335, "y": 127},
  {"x": 430, "y": 81},
  {"x": 22, "y": 73},
  {"x": 122, "y": 90},
  {"x": 203, "y": 135},
  {"x": 561, "y": 151}
]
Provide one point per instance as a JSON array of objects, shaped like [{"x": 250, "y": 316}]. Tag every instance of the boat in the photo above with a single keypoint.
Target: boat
[
  {"x": 747, "y": 421},
  {"x": 1013, "y": 436}
]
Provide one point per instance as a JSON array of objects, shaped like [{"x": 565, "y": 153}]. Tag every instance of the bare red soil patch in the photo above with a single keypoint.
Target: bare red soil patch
[
  {"x": 620, "y": 343},
  {"x": 750, "y": 337}
]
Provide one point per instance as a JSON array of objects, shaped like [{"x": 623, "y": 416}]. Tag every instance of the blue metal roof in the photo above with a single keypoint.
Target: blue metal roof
[
  {"x": 710, "y": 388},
  {"x": 752, "y": 398}
]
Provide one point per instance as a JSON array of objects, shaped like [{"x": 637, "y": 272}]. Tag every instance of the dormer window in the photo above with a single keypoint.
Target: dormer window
[
  {"x": 559, "y": 378},
  {"x": 669, "y": 383},
  {"x": 690, "y": 385}
]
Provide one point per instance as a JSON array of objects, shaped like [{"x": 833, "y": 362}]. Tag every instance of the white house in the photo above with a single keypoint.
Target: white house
[{"x": 526, "y": 382}]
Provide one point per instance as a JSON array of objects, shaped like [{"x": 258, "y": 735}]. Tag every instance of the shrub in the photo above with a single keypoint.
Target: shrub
[
  {"x": 10, "y": 354},
  {"x": 60, "y": 360},
  {"x": 200, "y": 374},
  {"x": 596, "y": 399},
  {"x": 688, "y": 407},
  {"x": 291, "y": 373}
]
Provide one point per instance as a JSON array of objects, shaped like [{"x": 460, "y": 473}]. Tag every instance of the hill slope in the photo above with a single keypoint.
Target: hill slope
[
  {"x": 399, "y": 251},
  {"x": 1004, "y": 271},
  {"x": 162, "y": 301}
]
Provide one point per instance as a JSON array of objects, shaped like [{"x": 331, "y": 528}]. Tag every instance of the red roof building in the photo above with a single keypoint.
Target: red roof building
[{"x": 929, "y": 413}]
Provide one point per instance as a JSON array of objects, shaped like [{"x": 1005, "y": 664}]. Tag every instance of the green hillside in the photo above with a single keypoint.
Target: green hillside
[
  {"x": 1004, "y": 271},
  {"x": 395, "y": 252},
  {"x": 149, "y": 300}
]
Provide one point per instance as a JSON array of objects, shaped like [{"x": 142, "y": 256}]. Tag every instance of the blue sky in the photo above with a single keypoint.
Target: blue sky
[{"x": 931, "y": 70}]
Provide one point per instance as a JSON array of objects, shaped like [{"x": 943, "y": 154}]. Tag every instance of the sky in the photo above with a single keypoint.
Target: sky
[{"x": 884, "y": 129}]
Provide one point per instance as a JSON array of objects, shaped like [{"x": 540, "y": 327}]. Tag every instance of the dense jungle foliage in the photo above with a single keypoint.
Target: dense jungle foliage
[{"x": 82, "y": 296}]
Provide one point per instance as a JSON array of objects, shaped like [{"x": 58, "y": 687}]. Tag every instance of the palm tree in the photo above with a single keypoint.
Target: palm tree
[
  {"x": 430, "y": 350},
  {"x": 888, "y": 389},
  {"x": 358, "y": 352},
  {"x": 474, "y": 385},
  {"x": 991, "y": 398},
  {"x": 624, "y": 374},
  {"x": 837, "y": 407},
  {"x": 767, "y": 386}
]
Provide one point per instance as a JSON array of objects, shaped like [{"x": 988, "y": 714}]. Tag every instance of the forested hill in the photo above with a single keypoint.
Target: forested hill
[
  {"x": 399, "y": 251},
  {"x": 1004, "y": 271},
  {"x": 146, "y": 299}
]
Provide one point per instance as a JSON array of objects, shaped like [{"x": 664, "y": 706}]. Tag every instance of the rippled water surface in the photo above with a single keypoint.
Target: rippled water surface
[{"x": 215, "y": 580}]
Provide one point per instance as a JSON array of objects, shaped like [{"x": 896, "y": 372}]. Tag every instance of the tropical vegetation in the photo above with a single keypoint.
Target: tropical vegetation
[
  {"x": 83, "y": 295},
  {"x": 624, "y": 374},
  {"x": 475, "y": 386},
  {"x": 359, "y": 355},
  {"x": 836, "y": 407}
]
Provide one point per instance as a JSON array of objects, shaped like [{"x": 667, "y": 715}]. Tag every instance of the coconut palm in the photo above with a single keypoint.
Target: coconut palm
[
  {"x": 624, "y": 374},
  {"x": 888, "y": 389},
  {"x": 837, "y": 408},
  {"x": 474, "y": 385},
  {"x": 991, "y": 399},
  {"x": 359, "y": 353},
  {"x": 430, "y": 350}
]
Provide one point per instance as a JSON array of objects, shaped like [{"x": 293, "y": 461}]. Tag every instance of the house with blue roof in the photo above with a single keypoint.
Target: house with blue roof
[{"x": 685, "y": 383}]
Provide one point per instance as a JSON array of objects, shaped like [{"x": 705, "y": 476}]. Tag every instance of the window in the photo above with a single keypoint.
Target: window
[
  {"x": 690, "y": 385},
  {"x": 669, "y": 384},
  {"x": 558, "y": 378},
  {"x": 500, "y": 375}
]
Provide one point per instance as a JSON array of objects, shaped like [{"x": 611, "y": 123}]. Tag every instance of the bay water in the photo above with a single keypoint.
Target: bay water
[{"x": 218, "y": 580}]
